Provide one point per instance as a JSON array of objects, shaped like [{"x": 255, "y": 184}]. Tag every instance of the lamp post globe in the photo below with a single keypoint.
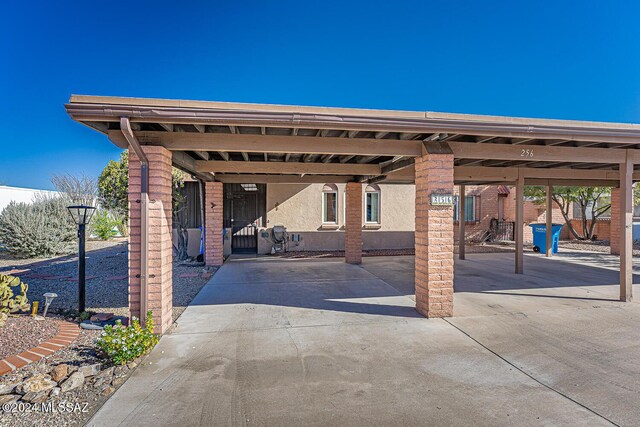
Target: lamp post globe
[{"x": 81, "y": 215}]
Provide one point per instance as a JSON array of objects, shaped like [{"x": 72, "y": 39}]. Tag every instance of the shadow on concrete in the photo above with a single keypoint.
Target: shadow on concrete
[
  {"x": 494, "y": 273},
  {"x": 330, "y": 285},
  {"x": 384, "y": 286}
]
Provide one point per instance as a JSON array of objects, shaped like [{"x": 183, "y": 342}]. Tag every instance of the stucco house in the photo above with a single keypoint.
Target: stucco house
[
  {"x": 254, "y": 160},
  {"x": 314, "y": 216}
]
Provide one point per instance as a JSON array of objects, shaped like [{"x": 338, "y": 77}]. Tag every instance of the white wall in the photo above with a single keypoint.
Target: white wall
[{"x": 19, "y": 195}]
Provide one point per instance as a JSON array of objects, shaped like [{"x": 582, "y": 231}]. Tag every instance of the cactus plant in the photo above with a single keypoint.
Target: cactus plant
[{"x": 8, "y": 302}]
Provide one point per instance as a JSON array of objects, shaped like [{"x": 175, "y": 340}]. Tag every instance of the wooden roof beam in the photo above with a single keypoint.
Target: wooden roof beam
[
  {"x": 462, "y": 150},
  {"x": 286, "y": 168},
  {"x": 204, "y": 155},
  {"x": 397, "y": 165},
  {"x": 183, "y": 141},
  {"x": 524, "y": 141},
  {"x": 282, "y": 179},
  {"x": 345, "y": 159}
]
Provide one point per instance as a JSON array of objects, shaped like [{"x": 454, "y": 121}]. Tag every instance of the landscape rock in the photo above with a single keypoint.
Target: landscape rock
[
  {"x": 55, "y": 392},
  {"x": 36, "y": 384},
  {"x": 117, "y": 381},
  {"x": 38, "y": 397},
  {"x": 90, "y": 370},
  {"x": 105, "y": 373},
  {"x": 102, "y": 381},
  {"x": 60, "y": 372},
  {"x": 107, "y": 390},
  {"x": 101, "y": 317},
  {"x": 9, "y": 398},
  {"x": 120, "y": 370},
  {"x": 74, "y": 381},
  {"x": 7, "y": 388}
]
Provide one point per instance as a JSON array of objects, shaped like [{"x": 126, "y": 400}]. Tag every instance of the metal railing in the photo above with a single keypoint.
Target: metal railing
[{"x": 502, "y": 230}]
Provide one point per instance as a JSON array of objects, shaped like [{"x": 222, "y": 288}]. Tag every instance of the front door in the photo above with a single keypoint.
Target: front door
[{"x": 243, "y": 212}]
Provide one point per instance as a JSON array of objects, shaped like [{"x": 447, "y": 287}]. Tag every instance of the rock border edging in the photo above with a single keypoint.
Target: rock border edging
[{"x": 67, "y": 333}]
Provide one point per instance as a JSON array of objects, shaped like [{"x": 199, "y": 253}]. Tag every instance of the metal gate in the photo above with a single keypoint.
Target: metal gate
[
  {"x": 244, "y": 208},
  {"x": 244, "y": 238},
  {"x": 502, "y": 230}
]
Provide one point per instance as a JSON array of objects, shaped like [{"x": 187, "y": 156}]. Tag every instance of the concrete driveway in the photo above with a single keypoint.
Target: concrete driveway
[{"x": 317, "y": 342}]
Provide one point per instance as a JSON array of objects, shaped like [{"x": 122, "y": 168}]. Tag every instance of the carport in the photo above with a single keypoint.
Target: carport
[{"x": 250, "y": 143}]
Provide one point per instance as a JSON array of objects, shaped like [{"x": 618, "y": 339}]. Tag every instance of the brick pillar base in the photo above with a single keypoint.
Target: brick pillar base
[
  {"x": 213, "y": 224},
  {"x": 614, "y": 239},
  {"x": 160, "y": 251},
  {"x": 434, "y": 237},
  {"x": 353, "y": 223}
]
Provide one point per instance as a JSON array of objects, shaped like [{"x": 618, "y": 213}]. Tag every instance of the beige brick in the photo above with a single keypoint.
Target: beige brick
[
  {"x": 434, "y": 237},
  {"x": 353, "y": 223},
  {"x": 614, "y": 230},
  {"x": 159, "y": 256},
  {"x": 213, "y": 223}
]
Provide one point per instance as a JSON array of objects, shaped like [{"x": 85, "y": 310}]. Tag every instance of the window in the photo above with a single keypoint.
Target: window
[
  {"x": 469, "y": 207},
  {"x": 372, "y": 204},
  {"x": 330, "y": 204}
]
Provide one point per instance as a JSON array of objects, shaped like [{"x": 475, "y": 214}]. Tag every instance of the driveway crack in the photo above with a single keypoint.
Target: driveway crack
[{"x": 547, "y": 386}]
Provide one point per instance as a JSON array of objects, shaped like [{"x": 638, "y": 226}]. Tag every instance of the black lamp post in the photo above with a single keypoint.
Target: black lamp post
[{"x": 81, "y": 216}]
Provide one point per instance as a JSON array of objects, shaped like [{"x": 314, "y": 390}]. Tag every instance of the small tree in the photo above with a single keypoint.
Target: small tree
[
  {"x": 113, "y": 189},
  {"x": 179, "y": 210},
  {"x": 593, "y": 200},
  {"x": 113, "y": 193},
  {"x": 76, "y": 189}
]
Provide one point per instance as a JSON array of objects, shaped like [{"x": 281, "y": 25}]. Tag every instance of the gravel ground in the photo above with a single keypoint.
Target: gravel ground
[
  {"x": 106, "y": 285},
  {"x": 80, "y": 352},
  {"x": 24, "y": 332},
  {"x": 106, "y": 292},
  {"x": 597, "y": 246}
]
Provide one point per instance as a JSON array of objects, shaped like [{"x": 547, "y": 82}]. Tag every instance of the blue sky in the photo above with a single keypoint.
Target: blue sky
[{"x": 557, "y": 59}]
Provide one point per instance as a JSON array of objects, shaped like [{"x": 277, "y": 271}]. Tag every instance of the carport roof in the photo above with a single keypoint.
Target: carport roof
[{"x": 237, "y": 142}]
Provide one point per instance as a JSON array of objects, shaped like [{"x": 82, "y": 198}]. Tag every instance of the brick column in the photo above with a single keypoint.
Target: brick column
[
  {"x": 434, "y": 235},
  {"x": 614, "y": 238},
  {"x": 213, "y": 223},
  {"x": 353, "y": 224},
  {"x": 160, "y": 251}
]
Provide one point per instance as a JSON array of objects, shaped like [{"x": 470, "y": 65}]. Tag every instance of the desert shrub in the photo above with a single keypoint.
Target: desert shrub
[
  {"x": 103, "y": 225},
  {"x": 39, "y": 229},
  {"x": 124, "y": 343}
]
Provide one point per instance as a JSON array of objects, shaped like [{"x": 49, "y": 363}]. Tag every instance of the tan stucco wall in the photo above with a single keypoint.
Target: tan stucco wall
[{"x": 299, "y": 208}]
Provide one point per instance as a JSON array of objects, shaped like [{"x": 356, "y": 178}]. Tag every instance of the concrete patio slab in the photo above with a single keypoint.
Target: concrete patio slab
[{"x": 317, "y": 342}]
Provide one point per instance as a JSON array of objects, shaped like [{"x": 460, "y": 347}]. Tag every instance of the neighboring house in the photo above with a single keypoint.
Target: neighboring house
[
  {"x": 314, "y": 215},
  {"x": 19, "y": 195}
]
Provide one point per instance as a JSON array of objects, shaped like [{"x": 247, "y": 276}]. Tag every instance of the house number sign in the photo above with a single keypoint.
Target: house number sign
[
  {"x": 441, "y": 199},
  {"x": 526, "y": 152}
]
